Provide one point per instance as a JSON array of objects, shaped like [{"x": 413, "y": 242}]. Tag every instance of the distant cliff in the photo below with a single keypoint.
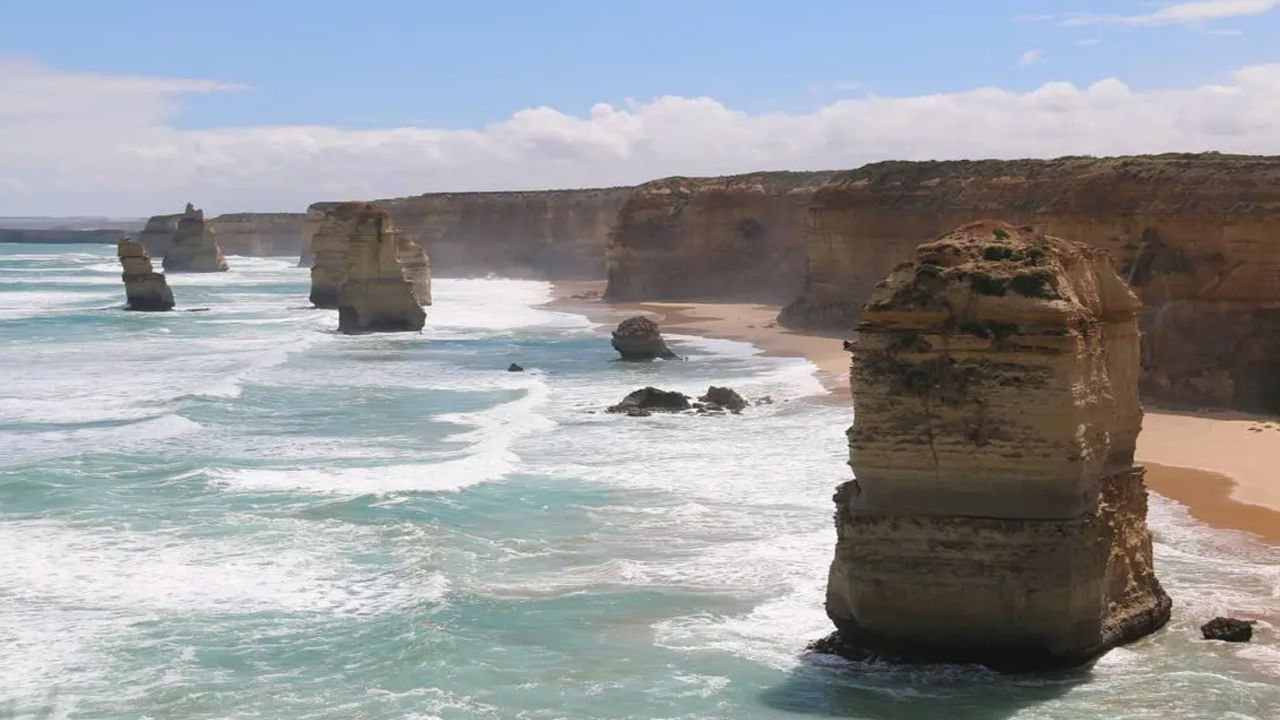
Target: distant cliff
[
  {"x": 553, "y": 234},
  {"x": 1197, "y": 236},
  {"x": 259, "y": 233},
  {"x": 712, "y": 238},
  {"x": 23, "y": 235}
]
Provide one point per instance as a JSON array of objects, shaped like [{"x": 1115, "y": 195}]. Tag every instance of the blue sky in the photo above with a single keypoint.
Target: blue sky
[
  {"x": 131, "y": 105},
  {"x": 386, "y": 63}
]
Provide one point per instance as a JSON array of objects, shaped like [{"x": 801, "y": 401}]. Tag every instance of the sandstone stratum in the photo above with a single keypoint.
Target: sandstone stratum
[
  {"x": 259, "y": 234},
  {"x": 194, "y": 247},
  {"x": 157, "y": 234},
  {"x": 361, "y": 270},
  {"x": 996, "y": 515},
  {"x": 144, "y": 288},
  {"x": 724, "y": 238},
  {"x": 548, "y": 234}
]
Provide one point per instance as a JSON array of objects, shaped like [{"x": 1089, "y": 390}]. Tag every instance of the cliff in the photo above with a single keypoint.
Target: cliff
[
  {"x": 259, "y": 234},
  {"x": 996, "y": 515},
  {"x": 1198, "y": 236},
  {"x": 194, "y": 247},
  {"x": 144, "y": 288},
  {"x": 377, "y": 294},
  {"x": 57, "y": 237},
  {"x": 157, "y": 235},
  {"x": 712, "y": 238},
  {"x": 551, "y": 234}
]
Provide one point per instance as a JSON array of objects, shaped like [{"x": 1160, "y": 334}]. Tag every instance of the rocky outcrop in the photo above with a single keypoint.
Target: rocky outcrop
[
  {"x": 375, "y": 294},
  {"x": 195, "y": 246},
  {"x": 648, "y": 400},
  {"x": 259, "y": 234},
  {"x": 996, "y": 515},
  {"x": 1197, "y": 236},
  {"x": 144, "y": 288},
  {"x": 712, "y": 238},
  {"x": 549, "y": 234},
  {"x": 638, "y": 338},
  {"x": 722, "y": 398},
  {"x": 311, "y": 222},
  {"x": 331, "y": 244},
  {"x": 157, "y": 234},
  {"x": 1227, "y": 629}
]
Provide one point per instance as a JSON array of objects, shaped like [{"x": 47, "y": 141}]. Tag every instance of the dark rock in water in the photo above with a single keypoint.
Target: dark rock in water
[
  {"x": 651, "y": 399},
  {"x": 637, "y": 338},
  {"x": 723, "y": 397},
  {"x": 766, "y": 400},
  {"x": 514, "y": 368},
  {"x": 1228, "y": 629},
  {"x": 637, "y": 412}
]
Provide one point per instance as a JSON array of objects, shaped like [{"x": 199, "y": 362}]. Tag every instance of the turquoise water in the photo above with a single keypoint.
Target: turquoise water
[{"x": 241, "y": 513}]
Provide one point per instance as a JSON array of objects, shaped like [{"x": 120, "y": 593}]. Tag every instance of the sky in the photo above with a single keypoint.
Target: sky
[{"x": 134, "y": 107}]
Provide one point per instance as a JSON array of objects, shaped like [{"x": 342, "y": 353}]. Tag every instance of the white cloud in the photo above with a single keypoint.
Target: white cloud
[
  {"x": 1030, "y": 57},
  {"x": 89, "y": 144},
  {"x": 1184, "y": 12}
]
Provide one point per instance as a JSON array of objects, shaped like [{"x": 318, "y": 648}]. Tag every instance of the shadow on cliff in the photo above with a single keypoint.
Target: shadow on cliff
[{"x": 826, "y": 687}]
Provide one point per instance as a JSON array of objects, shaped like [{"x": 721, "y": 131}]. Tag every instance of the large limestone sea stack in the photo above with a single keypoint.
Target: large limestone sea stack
[
  {"x": 996, "y": 515},
  {"x": 195, "y": 246},
  {"x": 144, "y": 288},
  {"x": 377, "y": 279}
]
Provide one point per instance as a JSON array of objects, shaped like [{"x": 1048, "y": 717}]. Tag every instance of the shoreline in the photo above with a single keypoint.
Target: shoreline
[{"x": 1219, "y": 464}]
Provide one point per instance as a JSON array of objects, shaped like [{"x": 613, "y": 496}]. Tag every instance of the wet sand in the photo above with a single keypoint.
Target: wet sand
[{"x": 1224, "y": 466}]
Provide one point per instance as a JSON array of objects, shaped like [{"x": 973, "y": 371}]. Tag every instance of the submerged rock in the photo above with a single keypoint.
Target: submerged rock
[
  {"x": 638, "y": 338},
  {"x": 997, "y": 516},
  {"x": 651, "y": 399},
  {"x": 144, "y": 288},
  {"x": 723, "y": 397},
  {"x": 195, "y": 246},
  {"x": 1228, "y": 629},
  {"x": 513, "y": 367},
  {"x": 375, "y": 294}
]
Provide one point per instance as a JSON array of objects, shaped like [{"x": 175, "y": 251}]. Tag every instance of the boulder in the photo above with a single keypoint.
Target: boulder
[
  {"x": 1228, "y": 629},
  {"x": 996, "y": 515},
  {"x": 723, "y": 397},
  {"x": 144, "y": 288},
  {"x": 651, "y": 399},
  {"x": 194, "y": 247},
  {"x": 638, "y": 338},
  {"x": 375, "y": 294}
]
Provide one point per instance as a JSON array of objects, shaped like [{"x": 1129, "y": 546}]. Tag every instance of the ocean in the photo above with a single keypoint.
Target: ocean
[{"x": 242, "y": 513}]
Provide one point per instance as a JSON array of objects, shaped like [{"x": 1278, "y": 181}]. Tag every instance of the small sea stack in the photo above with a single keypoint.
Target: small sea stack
[
  {"x": 144, "y": 288},
  {"x": 638, "y": 338},
  {"x": 195, "y": 246},
  {"x": 375, "y": 294},
  {"x": 996, "y": 515}
]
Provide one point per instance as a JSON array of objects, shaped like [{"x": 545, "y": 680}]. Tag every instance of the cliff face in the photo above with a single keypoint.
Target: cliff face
[
  {"x": 57, "y": 237},
  {"x": 194, "y": 247},
  {"x": 259, "y": 233},
  {"x": 996, "y": 515},
  {"x": 712, "y": 238},
  {"x": 157, "y": 234},
  {"x": 144, "y": 288},
  {"x": 378, "y": 293},
  {"x": 1198, "y": 237},
  {"x": 344, "y": 226},
  {"x": 554, "y": 234}
]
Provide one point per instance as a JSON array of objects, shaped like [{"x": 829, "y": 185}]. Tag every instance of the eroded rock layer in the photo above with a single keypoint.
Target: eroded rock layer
[
  {"x": 996, "y": 515},
  {"x": 331, "y": 243},
  {"x": 195, "y": 246},
  {"x": 551, "y": 234},
  {"x": 1197, "y": 236},
  {"x": 712, "y": 238},
  {"x": 144, "y": 288},
  {"x": 259, "y": 234},
  {"x": 157, "y": 234},
  {"x": 376, "y": 295}
]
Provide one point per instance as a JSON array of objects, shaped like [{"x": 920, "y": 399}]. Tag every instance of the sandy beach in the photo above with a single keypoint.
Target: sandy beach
[{"x": 1224, "y": 466}]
